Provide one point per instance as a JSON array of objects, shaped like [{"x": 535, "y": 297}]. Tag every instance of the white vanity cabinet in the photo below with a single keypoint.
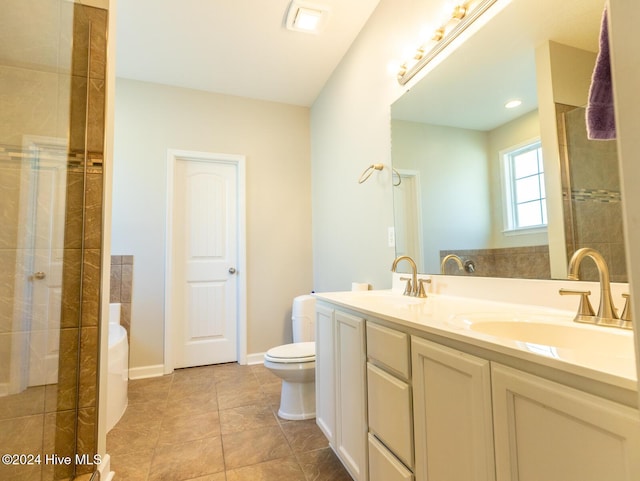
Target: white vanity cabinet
[
  {"x": 547, "y": 431},
  {"x": 408, "y": 408},
  {"x": 390, "y": 417},
  {"x": 325, "y": 372},
  {"x": 341, "y": 410},
  {"x": 452, "y": 414}
]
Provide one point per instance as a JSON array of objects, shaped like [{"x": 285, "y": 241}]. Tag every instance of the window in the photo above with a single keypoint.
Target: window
[{"x": 525, "y": 202}]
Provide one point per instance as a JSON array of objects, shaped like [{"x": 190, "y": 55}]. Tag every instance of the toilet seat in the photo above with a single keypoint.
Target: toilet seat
[{"x": 298, "y": 352}]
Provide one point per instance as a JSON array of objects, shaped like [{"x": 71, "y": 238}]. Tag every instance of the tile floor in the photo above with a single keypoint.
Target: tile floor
[{"x": 216, "y": 423}]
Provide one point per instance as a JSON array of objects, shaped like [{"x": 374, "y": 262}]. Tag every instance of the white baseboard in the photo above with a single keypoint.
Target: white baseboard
[
  {"x": 157, "y": 370},
  {"x": 104, "y": 468},
  {"x": 256, "y": 358},
  {"x": 146, "y": 371}
]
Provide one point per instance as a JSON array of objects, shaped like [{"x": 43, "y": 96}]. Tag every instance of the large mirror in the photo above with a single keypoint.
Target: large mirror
[{"x": 515, "y": 190}]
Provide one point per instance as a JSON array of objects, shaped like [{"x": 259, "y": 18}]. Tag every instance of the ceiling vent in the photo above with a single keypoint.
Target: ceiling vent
[{"x": 306, "y": 17}]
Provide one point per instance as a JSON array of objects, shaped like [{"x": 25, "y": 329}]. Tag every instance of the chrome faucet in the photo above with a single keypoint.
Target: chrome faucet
[
  {"x": 449, "y": 257},
  {"x": 606, "y": 315},
  {"x": 412, "y": 284}
]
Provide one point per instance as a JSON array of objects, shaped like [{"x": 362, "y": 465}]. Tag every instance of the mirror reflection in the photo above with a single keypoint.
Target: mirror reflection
[{"x": 514, "y": 190}]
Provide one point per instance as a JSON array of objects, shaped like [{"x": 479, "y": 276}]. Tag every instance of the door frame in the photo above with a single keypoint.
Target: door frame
[
  {"x": 414, "y": 176},
  {"x": 173, "y": 156}
]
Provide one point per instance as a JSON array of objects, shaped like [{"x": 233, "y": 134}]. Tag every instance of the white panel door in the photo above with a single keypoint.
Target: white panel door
[
  {"x": 205, "y": 240},
  {"x": 37, "y": 300},
  {"x": 46, "y": 275}
]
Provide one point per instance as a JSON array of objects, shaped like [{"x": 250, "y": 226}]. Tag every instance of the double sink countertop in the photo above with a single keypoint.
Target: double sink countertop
[{"x": 527, "y": 333}]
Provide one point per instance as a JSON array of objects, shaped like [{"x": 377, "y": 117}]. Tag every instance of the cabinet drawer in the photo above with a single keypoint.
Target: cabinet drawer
[
  {"x": 390, "y": 418},
  {"x": 383, "y": 466},
  {"x": 389, "y": 347}
]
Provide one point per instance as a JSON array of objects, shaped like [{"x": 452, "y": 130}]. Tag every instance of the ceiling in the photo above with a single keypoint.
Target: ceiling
[{"x": 234, "y": 47}]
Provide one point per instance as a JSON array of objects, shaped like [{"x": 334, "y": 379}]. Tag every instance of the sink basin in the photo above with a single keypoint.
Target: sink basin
[{"x": 561, "y": 336}]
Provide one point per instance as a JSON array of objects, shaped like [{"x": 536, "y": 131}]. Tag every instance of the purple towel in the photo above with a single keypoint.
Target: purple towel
[{"x": 601, "y": 123}]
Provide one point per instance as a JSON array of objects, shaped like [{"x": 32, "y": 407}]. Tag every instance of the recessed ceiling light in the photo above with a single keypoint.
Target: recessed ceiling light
[
  {"x": 306, "y": 17},
  {"x": 512, "y": 104}
]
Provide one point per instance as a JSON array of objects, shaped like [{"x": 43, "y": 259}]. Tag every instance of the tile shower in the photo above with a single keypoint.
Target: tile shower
[
  {"x": 52, "y": 76},
  {"x": 121, "y": 288}
]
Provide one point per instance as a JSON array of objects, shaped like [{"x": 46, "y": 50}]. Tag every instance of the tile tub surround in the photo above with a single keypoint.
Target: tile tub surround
[
  {"x": 121, "y": 287},
  {"x": 216, "y": 423},
  {"x": 527, "y": 262}
]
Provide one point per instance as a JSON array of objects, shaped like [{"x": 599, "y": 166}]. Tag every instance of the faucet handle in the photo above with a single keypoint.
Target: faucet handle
[
  {"x": 421, "y": 291},
  {"x": 408, "y": 289},
  {"x": 585, "y": 311},
  {"x": 626, "y": 316}
]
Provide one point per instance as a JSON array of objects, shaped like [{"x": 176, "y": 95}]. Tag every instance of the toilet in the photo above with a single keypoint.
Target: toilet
[{"x": 295, "y": 363}]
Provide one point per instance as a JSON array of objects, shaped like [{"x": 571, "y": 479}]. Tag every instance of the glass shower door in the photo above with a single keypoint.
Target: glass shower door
[{"x": 48, "y": 311}]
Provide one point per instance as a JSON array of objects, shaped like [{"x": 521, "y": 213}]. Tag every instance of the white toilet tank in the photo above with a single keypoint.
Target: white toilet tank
[{"x": 303, "y": 315}]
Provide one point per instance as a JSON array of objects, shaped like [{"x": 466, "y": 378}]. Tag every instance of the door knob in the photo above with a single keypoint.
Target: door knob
[
  {"x": 232, "y": 270},
  {"x": 38, "y": 275}
]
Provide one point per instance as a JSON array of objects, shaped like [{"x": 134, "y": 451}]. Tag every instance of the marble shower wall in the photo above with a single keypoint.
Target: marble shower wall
[
  {"x": 530, "y": 262},
  {"x": 591, "y": 194},
  {"x": 121, "y": 287},
  {"x": 52, "y": 79}
]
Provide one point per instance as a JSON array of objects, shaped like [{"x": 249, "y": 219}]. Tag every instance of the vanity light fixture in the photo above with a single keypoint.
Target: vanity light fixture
[
  {"x": 512, "y": 104},
  {"x": 306, "y": 17},
  {"x": 462, "y": 16}
]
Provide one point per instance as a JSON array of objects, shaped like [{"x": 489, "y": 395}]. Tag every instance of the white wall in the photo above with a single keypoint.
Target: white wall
[
  {"x": 454, "y": 179},
  {"x": 350, "y": 129},
  {"x": 151, "y": 118}
]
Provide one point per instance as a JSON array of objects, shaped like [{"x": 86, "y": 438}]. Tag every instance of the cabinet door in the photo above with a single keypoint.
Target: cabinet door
[
  {"x": 383, "y": 466},
  {"x": 452, "y": 414},
  {"x": 351, "y": 409},
  {"x": 546, "y": 431},
  {"x": 389, "y": 405},
  {"x": 325, "y": 377}
]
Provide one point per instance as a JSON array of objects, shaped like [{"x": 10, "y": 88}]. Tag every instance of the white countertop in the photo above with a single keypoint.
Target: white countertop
[{"x": 611, "y": 361}]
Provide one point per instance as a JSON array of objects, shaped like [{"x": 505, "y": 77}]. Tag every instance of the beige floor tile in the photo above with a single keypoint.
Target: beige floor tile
[
  {"x": 186, "y": 388},
  {"x": 244, "y": 418},
  {"x": 304, "y": 435},
  {"x": 179, "y": 429},
  {"x": 193, "y": 404},
  {"x": 124, "y": 441},
  {"x": 322, "y": 465},
  {"x": 142, "y": 417},
  {"x": 131, "y": 466},
  {"x": 185, "y": 426},
  {"x": 149, "y": 390},
  {"x": 285, "y": 469},
  {"x": 202, "y": 373},
  {"x": 211, "y": 477},
  {"x": 254, "y": 446},
  {"x": 240, "y": 397},
  {"x": 225, "y": 372},
  {"x": 187, "y": 460}
]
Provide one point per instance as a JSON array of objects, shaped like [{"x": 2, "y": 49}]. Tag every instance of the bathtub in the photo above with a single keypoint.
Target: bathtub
[{"x": 118, "y": 372}]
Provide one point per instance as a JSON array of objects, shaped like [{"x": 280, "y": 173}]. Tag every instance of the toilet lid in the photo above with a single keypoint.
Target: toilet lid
[{"x": 296, "y": 352}]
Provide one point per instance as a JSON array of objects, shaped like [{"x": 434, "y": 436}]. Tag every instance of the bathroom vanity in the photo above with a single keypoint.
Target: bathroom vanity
[{"x": 456, "y": 388}]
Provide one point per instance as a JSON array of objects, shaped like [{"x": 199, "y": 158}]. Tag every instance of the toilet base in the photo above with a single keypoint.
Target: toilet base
[{"x": 297, "y": 400}]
